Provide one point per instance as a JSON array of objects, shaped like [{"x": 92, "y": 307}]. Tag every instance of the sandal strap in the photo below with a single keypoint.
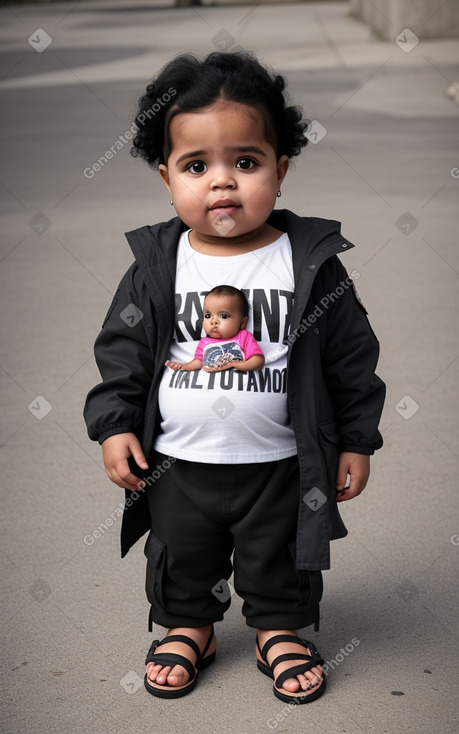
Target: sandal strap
[
  {"x": 182, "y": 638},
  {"x": 310, "y": 660},
  {"x": 151, "y": 651},
  {"x": 284, "y": 638},
  {"x": 290, "y": 656},
  {"x": 172, "y": 638},
  {"x": 153, "y": 657},
  {"x": 201, "y": 654}
]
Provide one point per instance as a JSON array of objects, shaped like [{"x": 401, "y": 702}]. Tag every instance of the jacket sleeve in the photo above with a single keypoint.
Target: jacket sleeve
[
  {"x": 125, "y": 361},
  {"x": 349, "y": 360}
]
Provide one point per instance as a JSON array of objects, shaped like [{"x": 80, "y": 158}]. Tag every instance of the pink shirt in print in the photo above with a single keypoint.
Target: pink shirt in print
[{"x": 216, "y": 352}]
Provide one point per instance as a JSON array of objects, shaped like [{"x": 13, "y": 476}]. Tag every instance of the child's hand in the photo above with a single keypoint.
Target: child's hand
[
  {"x": 115, "y": 451},
  {"x": 221, "y": 367},
  {"x": 358, "y": 467},
  {"x": 174, "y": 365},
  {"x": 195, "y": 364}
]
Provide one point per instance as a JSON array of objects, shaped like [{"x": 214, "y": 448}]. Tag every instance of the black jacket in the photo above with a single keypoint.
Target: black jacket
[{"x": 334, "y": 397}]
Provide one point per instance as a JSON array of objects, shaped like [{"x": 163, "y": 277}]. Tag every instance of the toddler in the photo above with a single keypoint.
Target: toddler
[{"x": 251, "y": 459}]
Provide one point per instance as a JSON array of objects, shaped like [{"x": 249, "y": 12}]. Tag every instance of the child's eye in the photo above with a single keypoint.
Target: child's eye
[
  {"x": 245, "y": 163},
  {"x": 197, "y": 167},
  {"x": 207, "y": 315},
  {"x": 225, "y": 316}
]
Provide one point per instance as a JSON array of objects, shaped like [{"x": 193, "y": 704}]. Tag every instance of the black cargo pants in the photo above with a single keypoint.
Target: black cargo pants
[{"x": 201, "y": 513}]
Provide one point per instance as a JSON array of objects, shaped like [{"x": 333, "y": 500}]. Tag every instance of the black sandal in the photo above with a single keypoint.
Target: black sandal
[
  {"x": 171, "y": 658},
  {"x": 311, "y": 660}
]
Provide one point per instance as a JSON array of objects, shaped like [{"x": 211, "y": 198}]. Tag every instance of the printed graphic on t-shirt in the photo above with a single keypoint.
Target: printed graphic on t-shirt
[
  {"x": 218, "y": 354},
  {"x": 269, "y": 316},
  {"x": 230, "y": 416}
]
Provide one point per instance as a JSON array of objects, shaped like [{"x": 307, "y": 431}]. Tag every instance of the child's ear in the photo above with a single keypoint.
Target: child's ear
[
  {"x": 164, "y": 173},
  {"x": 244, "y": 322},
  {"x": 282, "y": 168}
]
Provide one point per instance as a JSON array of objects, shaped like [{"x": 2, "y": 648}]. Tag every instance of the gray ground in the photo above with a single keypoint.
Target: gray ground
[{"x": 74, "y": 616}]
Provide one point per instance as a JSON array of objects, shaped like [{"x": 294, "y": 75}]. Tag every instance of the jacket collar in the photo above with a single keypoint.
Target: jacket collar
[
  {"x": 309, "y": 237},
  {"x": 312, "y": 239}
]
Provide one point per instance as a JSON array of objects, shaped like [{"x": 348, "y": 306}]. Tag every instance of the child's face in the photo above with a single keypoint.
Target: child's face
[
  {"x": 222, "y": 174},
  {"x": 223, "y": 316}
]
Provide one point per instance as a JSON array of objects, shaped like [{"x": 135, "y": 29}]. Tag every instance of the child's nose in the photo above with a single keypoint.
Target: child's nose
[{"x": 223, "y": 179}]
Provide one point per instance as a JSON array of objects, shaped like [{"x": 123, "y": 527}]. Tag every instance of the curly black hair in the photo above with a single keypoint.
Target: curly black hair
[{"x": 187, "y": 84}]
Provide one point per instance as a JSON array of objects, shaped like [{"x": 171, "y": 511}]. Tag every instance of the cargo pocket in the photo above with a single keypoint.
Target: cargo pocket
[{"x": 155, "y": 551}]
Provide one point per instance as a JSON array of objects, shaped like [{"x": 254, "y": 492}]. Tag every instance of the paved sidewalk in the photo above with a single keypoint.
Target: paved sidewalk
[{"x": 385, "y": 163}]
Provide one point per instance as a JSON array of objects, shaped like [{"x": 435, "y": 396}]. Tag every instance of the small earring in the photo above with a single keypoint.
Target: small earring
[
  {"x": 279, "y": 193},
  {"x": 172, "y": 203}
]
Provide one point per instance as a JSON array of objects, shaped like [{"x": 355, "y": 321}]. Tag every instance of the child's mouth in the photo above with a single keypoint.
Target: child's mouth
[{"x": 225, "y": 207}]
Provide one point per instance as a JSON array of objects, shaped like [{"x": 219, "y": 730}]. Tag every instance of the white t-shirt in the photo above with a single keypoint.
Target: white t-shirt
[{"x": 230, "y": 417}]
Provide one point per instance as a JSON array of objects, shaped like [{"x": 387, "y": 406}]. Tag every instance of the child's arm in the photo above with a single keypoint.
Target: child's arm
[
  {"x": 114, "y": 409},
  {"x": 195, "y": 364},
  {"x": 255, "y": 362},
  {"x": 350, "y": 352}
]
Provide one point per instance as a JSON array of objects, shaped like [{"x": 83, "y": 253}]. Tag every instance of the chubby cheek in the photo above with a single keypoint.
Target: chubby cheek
[
  {"x": 264, "y": 192},
  {"x": 186, "y": 200},
  {"x": 262, "y": 202},
  {"x": 189, "y": 191}
]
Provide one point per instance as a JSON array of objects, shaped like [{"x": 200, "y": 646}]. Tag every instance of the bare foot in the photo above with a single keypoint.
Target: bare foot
[
  {"x": 176, "y": 675},
  {"x": 307, "y": 682}
]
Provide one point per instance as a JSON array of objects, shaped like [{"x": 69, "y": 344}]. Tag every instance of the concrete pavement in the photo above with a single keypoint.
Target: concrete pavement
[{"x": 74, "y": 616}]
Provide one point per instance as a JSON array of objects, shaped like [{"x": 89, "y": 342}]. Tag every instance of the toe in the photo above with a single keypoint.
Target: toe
[
  {"x": 161, "y": 678},
  {"x": 152, "y": 671},
  {"x": 307, "y": 682},
  {"x": 178, "y": 676},
  {"x": 291, "y": 684},
  {"x": 315, "y": 675},
  {"x": 313, "y": 678},
  {"x": 304, "y": 682}
]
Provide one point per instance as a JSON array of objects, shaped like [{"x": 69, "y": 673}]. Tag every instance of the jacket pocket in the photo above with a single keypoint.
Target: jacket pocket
[{"x": 155, "y": 551}]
